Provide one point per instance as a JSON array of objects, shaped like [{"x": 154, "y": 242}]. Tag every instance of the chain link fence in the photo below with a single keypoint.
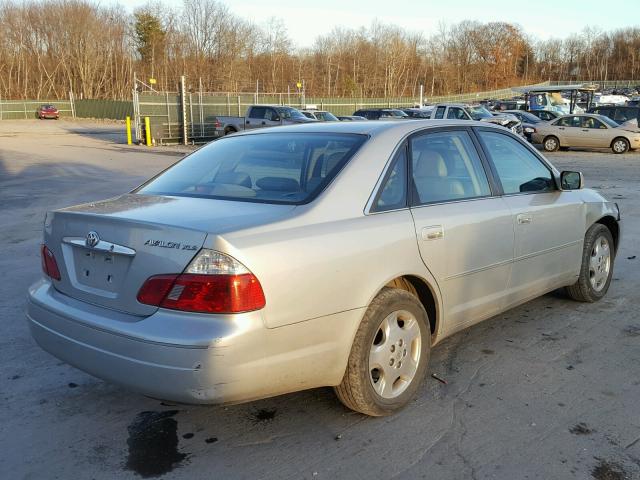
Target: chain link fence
[{"x": 26, "y": 109}]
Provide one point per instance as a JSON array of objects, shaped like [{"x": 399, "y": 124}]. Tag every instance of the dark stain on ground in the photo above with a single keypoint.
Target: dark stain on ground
[
  {"x": 263, "y": 415},
  {"x": 608, "y": 471},
  {"x": 487, "y": 351},
  {"x": 153, "y": 444},
  {"x": 211, "y": 440},
  {"x": 632, "y": 331},
  {"x": 72, "y": 385},
  {"x": 15, "y": 377},
  {"x": 187, "y": 435},
  {"x": 581, "y": 429}
]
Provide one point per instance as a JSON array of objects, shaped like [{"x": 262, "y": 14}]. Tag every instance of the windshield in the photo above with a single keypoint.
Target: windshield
[
  {"x": 288, "y": 112},
  {"x": 290, "y": 168},
  {"x": 394, "y": 113},
  {"x": 608, "y": 121},
  {"x": 328, "y": 116},
  {"x": 478, "y": 113}
]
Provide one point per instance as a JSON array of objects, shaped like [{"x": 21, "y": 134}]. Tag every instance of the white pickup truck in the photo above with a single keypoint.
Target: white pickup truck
[{"x": 260, "y": 116}]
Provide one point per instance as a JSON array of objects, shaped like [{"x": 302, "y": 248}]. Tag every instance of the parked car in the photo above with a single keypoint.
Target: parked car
[
  {"x": 460, "y": 111},
  {"x": 381, "y": 114},
  {"x": 350, "y": 118},
  {"x": 518, "y": 104},
  {"x": 48, "y": 111},
  {"x": 528, "y": 121},
  {"x": 545, "y": 115},
  {"x": 424, "y": 112},
  {"x": 586, "y": 130},
  {"x": 298, "y": 257},
  {"x": 320, "y": 115},
  {"x": 259, "y": 116},
  {"x": 619, "y": 114}
]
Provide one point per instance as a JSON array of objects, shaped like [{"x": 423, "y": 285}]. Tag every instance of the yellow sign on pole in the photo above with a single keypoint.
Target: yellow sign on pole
[
  {"x": 299, "y": 85},
  {"x": 152, "y": 81}
]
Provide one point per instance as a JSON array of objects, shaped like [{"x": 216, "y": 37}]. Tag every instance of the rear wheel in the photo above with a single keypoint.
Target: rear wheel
[
  {"x": 597, "y": 266},
  {"x": 620, "y": 145},
  {"x": 389, "y": 356},
  {"x": 228, "y": 131},
  {"x": 551, "y": 144}
]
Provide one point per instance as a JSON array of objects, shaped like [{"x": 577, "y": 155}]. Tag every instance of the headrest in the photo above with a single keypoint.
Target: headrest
[
  {"x": 278, "y": 184},
  {"x": 430, "y": 164}
]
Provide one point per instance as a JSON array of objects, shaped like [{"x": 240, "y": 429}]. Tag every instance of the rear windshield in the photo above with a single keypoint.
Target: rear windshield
[{"x": 289, "y": 168}]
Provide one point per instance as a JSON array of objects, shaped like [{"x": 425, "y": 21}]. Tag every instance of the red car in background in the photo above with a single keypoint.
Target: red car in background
[{"x": 48, "y": 111}]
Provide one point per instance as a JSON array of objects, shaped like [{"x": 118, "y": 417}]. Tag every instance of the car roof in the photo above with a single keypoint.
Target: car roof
[{"x": 368, "y": 128}]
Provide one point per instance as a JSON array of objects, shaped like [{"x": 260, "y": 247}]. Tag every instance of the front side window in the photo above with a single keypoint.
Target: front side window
[
  {"x": 446, "y": 167},
  {"x": 258, "y": 112},
  {"x": 393, "y": 192},
  {"x": 456, "y": 114},
  {"x": 519, "y": 170},
  {"x": 590, "y": 122},
  {"x": 289, "y": 168}
]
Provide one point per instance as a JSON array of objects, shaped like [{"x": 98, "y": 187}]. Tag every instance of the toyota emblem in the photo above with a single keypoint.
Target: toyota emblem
[{"x": 92, "y": 239}]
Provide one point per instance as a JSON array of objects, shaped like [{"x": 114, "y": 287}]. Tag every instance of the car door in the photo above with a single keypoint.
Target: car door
[
  {"x": 255, "y": 117},
  {"x": 596, "y": 133},
  {"x": 465, "y": 233},
  {"x": 549, "y": 224}
]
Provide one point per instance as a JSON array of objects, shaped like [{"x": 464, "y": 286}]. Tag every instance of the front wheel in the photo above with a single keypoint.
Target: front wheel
[
  {"x": 389, "y": 355},
  {"x": 620, "y": 145},
  {"x": 551, "y": 144},
  {"x": 597, "y": 266}
]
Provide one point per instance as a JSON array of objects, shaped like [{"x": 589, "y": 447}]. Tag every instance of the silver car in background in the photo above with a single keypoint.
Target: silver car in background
[
  {"x": 329, "y": 254},
  {"x": 586, "y": 130}
]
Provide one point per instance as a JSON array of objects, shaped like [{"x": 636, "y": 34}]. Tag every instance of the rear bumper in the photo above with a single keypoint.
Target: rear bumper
[{"x": 191, "y": 358}]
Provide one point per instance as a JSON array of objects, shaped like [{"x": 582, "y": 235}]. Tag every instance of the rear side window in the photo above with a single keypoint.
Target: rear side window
[
  {"x": 519, "y": 170},
  {"x": 446, "y": 167},
  {"x": 393, "y": 192},
  {"x": 440, "y": 112},
  {"x": 284, "y": 168}
]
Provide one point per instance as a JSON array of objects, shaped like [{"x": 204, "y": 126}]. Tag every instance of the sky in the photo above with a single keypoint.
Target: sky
[{"x": 307, "y": 19}]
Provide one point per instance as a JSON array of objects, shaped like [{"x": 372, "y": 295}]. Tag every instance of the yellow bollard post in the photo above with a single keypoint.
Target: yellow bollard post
[
  {"x": 147, "y": 130},
  {"x": 128, "y": 130}
]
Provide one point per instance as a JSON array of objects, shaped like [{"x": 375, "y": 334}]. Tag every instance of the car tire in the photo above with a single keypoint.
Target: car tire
[
  {"x": 551, "y": 143},
  {"x": 229, "y": 131},
  {"x": 394, "y": 329},
  {"x": 597, "y": 265},
  {"x": 620, "y": 145}
]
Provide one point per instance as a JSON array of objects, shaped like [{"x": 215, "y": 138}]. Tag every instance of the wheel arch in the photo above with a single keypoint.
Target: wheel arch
[
  {"x": 426, "y": 294},
  {"x": 612, "y": 224},
  {"x": 621, "y": 137}
]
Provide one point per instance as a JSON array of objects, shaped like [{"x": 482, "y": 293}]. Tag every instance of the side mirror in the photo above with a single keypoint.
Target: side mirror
[
  {"x": 571, "y": 180},
  {"x": 276, "y": 119}
]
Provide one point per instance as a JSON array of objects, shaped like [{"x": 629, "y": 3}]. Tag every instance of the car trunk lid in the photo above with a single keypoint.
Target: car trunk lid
[{"x": 106, "y": 250}]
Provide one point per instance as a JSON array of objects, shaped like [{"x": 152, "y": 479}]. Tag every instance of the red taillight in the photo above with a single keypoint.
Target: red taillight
[
  {"x": 217, "y": 124},
  {"x": 204, "y": 293},
  {"x": 49, "y": 264}
]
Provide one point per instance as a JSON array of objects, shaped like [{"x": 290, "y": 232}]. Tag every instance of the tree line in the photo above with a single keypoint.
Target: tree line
[{"x": 51, "y": 47}]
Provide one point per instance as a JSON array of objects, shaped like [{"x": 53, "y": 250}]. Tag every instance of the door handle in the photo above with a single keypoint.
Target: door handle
[
  {"x": 560, "y": 128},
  {"x": 248, "y": 122},
  {"x": 585, "y": 130},
  {"x": 433, "y": 232},
  {"x": 525, "y": 219},
  {"x": 264, "y": 123}
]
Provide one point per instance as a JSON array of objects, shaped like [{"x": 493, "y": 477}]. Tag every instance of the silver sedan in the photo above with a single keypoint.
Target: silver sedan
[
  {"x": 586, "y": 130},
  {"x": 334, "y": 254}
]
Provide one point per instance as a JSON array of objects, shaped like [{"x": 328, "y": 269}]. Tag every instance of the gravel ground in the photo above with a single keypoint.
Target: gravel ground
[{"x": 548, "y": 390}]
